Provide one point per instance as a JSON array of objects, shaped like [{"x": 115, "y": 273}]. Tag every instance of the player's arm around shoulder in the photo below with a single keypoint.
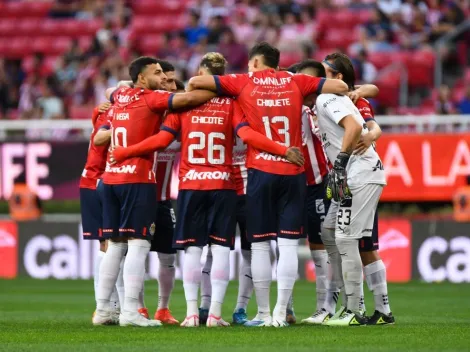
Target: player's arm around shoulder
[
  {"x": 334, "y": 86},
  {"x": 363, "y": 91},
  {"x": 202, "y": 82},
  {"x": 191, "y": 99}
]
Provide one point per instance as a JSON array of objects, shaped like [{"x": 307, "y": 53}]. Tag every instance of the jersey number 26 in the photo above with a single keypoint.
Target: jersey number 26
[{"x": 211, "y": 148}]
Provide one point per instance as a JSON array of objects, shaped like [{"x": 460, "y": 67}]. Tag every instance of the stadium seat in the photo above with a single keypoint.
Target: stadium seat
[
  {"x": 162, "y": 7},
  {"x": 18, "y": 9},
  {"x": 157, "y": 24},
  {"x": 420, "y": 66},
  {"x": 288, "y": 59},
  {"x": 320, "y": 55},
  {"x": 150, "y": 43},
  {"x": 7, "y": 27}
]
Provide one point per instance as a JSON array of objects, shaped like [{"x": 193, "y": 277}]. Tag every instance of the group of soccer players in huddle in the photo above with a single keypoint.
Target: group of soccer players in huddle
[{"x": 283, "y": 154}]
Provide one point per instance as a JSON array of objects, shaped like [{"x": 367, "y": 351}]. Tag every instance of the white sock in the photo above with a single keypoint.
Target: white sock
[
  {"x": 109, "y": 271},
  {"x": 290, "y": 302},
  {"x": 352, "y": 271},
  {"x": 287, "y": 269},
  {"x": 141, "y": 299},
  {"x": 114, "y": 300},
  {"x": 120, "y": 283},
  {"x": 362, "y": 305},
  {"x": 96, "y": 272},
  {"x": 220, "y": 275},
  {"x": 206, "y": 288},
  {"x": 320, "y": 259},
  {"x": 166, "y": 278},
  {"x": 376, "y": 278},
  {"x": 335, "y": 273},
  {"x": 134, "y": 274},
  {"x": 262, "y": 276},
  {"x": 192, "y": 278},
  {"x": 245, "y": 280}
]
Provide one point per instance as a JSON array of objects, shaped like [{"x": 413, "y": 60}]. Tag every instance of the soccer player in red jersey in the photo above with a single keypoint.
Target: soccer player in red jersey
[
  {"x": 90, "y": 187},
  {"x": 207, "y": 197},
  {"x": 129, "y": 187},
  {"x": 272, "y": 103}
]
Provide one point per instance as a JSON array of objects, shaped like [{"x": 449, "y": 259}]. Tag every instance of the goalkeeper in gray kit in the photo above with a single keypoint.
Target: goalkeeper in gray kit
[{"x": 355, "y": 184}]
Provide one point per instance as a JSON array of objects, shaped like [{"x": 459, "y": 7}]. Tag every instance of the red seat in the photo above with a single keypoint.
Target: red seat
[
  {"x": 27, "y": 64},
  {"x": 157, "y": 24},
  {"x": 49, "y": 27},
  {"x": 339, "y": 38},
  {"x": 7, "y": 27},
  {"x": 320, "y": 55},
  {"x": 287, "y": 59},
  {"x": 150, "y": 43},
  {"x": 18, "y": 47},
  {"x": 158, "y": 7},
  {"x": 18, "y": 9},
  {"x": 27, "y": 27},
  {"x": 420, "y": 66},
  {"x": 79, "y": 112}
]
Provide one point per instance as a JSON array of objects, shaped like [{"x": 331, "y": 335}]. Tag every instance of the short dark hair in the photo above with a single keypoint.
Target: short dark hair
[
  {"x": 293, "y": 68},
  {"x": 342, "y": 63},
  {"x": 215, "y": 63},
  {"x": 271, "y": 55},
  {"x": 179, "y": 85},
  {"x": 166, "y": 66},
  {"x": 138, "y": 65},
  {"x": 314, "y": 65}
]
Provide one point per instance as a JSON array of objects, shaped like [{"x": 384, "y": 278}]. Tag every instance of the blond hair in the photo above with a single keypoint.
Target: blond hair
[{"x": 214, "y": 62}]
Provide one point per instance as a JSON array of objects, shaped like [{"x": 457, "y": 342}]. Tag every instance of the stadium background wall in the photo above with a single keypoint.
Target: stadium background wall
[
  {"x": 418, "y": 167},
  {"x": 431, "y": 251}
]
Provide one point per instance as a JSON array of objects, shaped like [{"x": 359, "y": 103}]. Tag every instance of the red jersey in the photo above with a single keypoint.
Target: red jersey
[
  {"x": 316, "y": 163},
  {"x": 96, "y": 159},
  {"x": 240, "y": 173},
  {"x": 137, "y": 115},
  {"x": 164, "y": 169},
  {"x": 207, "y": 137},
  {"x": 272, "y": 103},
  {"x": 365, "y": 109}
]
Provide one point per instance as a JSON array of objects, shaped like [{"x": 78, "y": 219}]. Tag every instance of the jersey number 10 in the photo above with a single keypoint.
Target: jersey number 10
[
  {"x": 211, "y": 148},
  {"x": 119, "y": 137}
]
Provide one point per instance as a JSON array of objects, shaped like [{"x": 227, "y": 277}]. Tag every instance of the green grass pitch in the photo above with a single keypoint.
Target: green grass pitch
[{"x": 56, "y": 316}]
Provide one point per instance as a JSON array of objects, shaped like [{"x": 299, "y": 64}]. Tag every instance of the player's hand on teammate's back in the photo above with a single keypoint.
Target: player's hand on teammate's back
[
  {"x": 337, "y": 180},
  {"x": 104, "y": 107},
  {"x": 354, "y": 96},
  {"x": 117, "y": 154},
  {"x": 364, "y": 144},
  {"x": 295, "y": 156}
]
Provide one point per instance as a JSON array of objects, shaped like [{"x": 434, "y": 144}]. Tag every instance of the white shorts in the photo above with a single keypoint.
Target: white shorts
[{"x": 354, "y": 219}]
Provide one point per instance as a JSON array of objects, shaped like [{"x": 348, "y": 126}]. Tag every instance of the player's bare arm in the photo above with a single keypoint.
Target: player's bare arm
[
  {"x": 190, "y": 99},
  {"x": 161, "y": 140},
  {"x": 366, "y": 140},
  {"x": 102, "y": 137},
  {"x": 334, "y": 86},
  {"x": 103, "y": 107},
  {"x": 352, "y": 134},
  {"x": 261, "y": 142},
  {"x": 363, "y": 91},
  {"x": 202, "y": 82}
]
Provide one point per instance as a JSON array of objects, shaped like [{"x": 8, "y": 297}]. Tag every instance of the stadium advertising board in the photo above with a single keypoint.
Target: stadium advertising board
[
  {"x": 52, "y": 169},
  {"x": 395, "y": 250},
  {"x": 424, "y": 167},
  {"x": 441, "y": 251},
  {"x": 8, "y": 249}
]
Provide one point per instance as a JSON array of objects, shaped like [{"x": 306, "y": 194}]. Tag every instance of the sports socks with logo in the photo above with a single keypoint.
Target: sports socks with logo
[
  {"x": 166, "y": 278},
  {"x": 192, "y": 278},
  {"x": 220, "y": 275},
  {"x": 245, "y": 280},
  {"x": 320, "y": 259},
  {"x": 376, "y": 278},
  {"x": 352, "y": 271},
  {"x": 206, "y": 288},
  {"x": 134, "y": 274},
  {"x": 287, "y": 269},
  {"x": 262, "y": 276}
]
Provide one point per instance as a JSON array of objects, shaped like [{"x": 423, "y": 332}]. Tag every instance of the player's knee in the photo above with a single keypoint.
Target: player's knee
[
  {"x": 103, "y": 246},
  {"x": 166, "y": 260},
  {"x": 328, "y": 236},
  {"x": 286, "y": 242},
  {"x": 370, "y": 257},
  {"x": 316, "y": 246}
]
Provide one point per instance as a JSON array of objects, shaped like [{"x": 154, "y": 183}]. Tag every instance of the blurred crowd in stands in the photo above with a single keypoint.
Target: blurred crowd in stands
[{"x": 47, "y": 87}]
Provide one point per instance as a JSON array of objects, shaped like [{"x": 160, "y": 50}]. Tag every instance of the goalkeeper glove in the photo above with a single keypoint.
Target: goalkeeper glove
[{"x": 337, "y": 179}]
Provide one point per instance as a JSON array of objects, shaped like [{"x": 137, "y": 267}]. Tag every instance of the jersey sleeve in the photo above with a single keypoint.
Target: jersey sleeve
[
  {"x": 333, "y": 107},
  {"x": 238, "y": 117},
  {"x": 308, "y": 84},
  {"x": 365, "y": 109},
  {"x": 172, "y": 124},
  {"x": 159, "y": 100},
  {"x": 230, "y": 85}
]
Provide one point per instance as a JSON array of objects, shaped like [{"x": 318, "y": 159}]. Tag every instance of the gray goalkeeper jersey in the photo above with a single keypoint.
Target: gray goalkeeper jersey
[{"x": 361, "y": 169}]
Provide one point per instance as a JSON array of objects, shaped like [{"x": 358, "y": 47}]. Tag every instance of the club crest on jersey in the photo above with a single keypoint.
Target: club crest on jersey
[
  {"x": 152, "y": 229},
  {"x": 193, "y": 175}
]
